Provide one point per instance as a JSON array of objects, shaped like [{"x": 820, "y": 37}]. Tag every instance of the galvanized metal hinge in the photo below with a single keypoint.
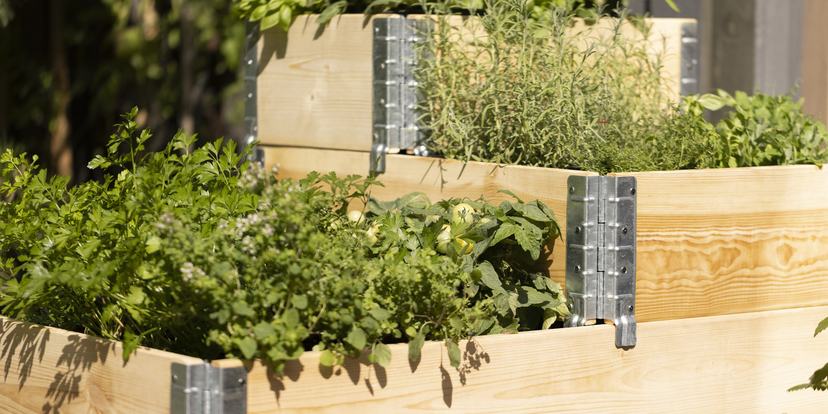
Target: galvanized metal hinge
[
  {"x": 689, "y": 59},
  {"x": 205, "y": 389},
  {"x": 251, "y": 64},
  {"x": 600, "y": 253},
  {"x": 395, "y": 115}
]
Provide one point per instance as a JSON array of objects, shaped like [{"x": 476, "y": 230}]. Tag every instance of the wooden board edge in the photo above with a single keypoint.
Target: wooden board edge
[
  {"x": 49, "y": 369},
  {"x": 806, "y": 168},
  {"x": 719, "y": 364}
]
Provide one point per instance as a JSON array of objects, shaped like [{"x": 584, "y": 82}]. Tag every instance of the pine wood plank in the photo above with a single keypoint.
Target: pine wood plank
[
  {"x": 722, "y": 364},
  {"x": 441, "y": 179},
  {"x": 49, "y": 370},
  {"x": 315, "y": 85},
  {"x": 722, "y": 241}
]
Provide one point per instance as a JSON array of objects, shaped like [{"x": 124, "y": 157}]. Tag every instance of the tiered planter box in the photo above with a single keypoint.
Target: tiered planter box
[
  {"x": 709, "y": 242},
  {"x": 732, "y": 279}
]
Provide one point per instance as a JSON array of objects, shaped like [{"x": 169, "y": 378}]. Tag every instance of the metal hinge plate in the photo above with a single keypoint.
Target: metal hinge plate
[
  {"x": 600, "y": 253},
  {"x": 205, "y": 389},
  {"x": 689, "y": 59},
  {"x": 395, "y": 96},
  {"x": 251, "y": 64}
]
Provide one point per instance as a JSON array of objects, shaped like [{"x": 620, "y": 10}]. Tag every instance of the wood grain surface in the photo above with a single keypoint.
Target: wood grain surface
[
  {"x": 441, "y": 179},
  {"x": 49, "y": 370},
  {"x": 714, "y": 242},
  {"x": 724, "y": 364},
  {"x": 315, "y": 83}
]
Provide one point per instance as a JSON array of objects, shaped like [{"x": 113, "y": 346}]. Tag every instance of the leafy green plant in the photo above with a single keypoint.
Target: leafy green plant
[
  {"x": 819, "y": 379},
  {"x": 284, "y": 12},
  {"x": 763, "y": 130},
  {"x": 203, "y": 254},
  {"x": 513, "y": 89}
]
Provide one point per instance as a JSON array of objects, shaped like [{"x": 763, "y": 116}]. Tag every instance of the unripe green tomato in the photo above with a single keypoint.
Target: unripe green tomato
[
  {"x": 462, "y": 213},
  {"x": 443, "y": 239},
  {"x": 485, "y": 220},
  {"x": 356, "y": 216},
  {"x": 372, "y": 233},
  {"x": 477, "y": 274}
]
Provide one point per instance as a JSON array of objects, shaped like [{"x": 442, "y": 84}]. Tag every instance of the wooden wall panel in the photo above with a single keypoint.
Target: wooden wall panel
[
  {"x": 723, "y": 364},
  {"x": 314, "y": 85},
  {"x": 714, "y": 242},
  {"x": 49, "y": 370}
]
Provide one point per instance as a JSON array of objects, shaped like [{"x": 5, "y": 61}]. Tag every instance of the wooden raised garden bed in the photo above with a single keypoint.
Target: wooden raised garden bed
[
  {"x": 709, "y": 242},
  {"x": 315, "y": 83},
  {"x": 731, "y": 281},
  {"x": 719, "y": 364}
]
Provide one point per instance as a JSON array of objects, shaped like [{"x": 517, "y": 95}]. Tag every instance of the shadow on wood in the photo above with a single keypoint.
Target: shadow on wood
[
  {"x": 25, "y": 345},
  {"x": 50, "y": 370}
]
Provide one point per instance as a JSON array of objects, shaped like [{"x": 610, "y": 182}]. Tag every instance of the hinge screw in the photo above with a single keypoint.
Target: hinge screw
[
  {"x": 241, "y": 381},
  {"x": 631, "y": 308},
  {"x": 623, "y": 270},
  {"x": 578, "y": 269},
  {"x": 571, "y": 190},
  {"x": 624, "y": 230},
  {"x": 632, "y": 191},
  {"x": 577, "y": 229},
  {"x": 175, "y": 377}
]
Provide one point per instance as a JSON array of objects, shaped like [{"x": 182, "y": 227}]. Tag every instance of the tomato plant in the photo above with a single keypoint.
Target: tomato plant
[{"x": 205, "y": 254}]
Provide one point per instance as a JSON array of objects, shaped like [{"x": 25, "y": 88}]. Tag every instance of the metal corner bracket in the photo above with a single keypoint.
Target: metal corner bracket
[
  {"x": 395, "y": 97},
  {"x": 205, "y": 389},
  {"x": 251, "y": 65},
  {"x": 689, "y": 59},
  {"x": 600, "y": 253}
]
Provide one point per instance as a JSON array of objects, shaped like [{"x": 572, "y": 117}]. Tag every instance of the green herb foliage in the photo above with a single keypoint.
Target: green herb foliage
[
  {"x": 514, "y": 89},
  {"x": 202, "y": 254},
  {"x": 819, "y": 379},
  {"x": 763, "y": 130},
  {"x": 283, "y": 12}
]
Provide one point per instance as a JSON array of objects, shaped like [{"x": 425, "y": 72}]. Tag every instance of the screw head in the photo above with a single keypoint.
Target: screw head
[
  {"x": 571, "y": 190},
  {"x": 624, "y": 230},
  {"x": 632, "y": 191},
  {"x": 250, "y": 62},
  {"x": 623, "y": 270},
  {"x": 577, "y": 229},
  {"x": 578, "y": 269},
  {"x": 631, "y": 308},
  {"x": 175, "y": 377},
  {"x": 241, "y": 381}
]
